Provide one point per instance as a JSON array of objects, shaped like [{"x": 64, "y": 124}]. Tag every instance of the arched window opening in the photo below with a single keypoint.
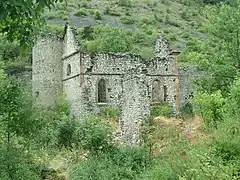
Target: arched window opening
[
  {"x": 102, "y": 93},
  {"x": 165, "y": 93},
  {"x": 68, "y": 69},
  {"x": 156, "y": 91}
]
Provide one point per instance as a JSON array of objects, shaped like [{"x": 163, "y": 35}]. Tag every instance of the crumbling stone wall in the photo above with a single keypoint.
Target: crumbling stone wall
[
  {"x": 135, "y": 107},
  {"x": 69, "y": 42},
  {"x": 128, "y": 80}
]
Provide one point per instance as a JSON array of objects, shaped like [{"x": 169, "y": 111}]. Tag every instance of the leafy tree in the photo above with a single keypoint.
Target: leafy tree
[
  {"x": 17, "y": 127},
  {"x": 232, "y": 105},
  {"x": 210, "y": 107},
  {"x": 226, "y": 27},
  {"x": 15, "y": 109},
  {"x": 219, "y": 55},
  {"x": 19, "y": 17}
]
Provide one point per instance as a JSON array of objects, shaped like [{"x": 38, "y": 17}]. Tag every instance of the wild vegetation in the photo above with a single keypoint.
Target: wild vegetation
[{"x": 38, "y": 143}]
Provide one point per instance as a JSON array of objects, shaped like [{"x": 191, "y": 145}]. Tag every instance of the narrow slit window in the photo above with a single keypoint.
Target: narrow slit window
[
  {"x": 165, "y": 93},
  {"x": 68, "y": 70},
  {"x": 102, "y": 91}
]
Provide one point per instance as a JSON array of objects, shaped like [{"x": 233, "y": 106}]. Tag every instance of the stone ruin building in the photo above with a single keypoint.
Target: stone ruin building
[{"x": 92, "y": 81}]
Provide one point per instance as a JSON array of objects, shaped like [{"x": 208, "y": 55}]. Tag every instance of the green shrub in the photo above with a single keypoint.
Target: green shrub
[
  {"x": 15, "y": 164},
  {"x": 227, "y": 139},
  {"x": 158, "y": 18},
  {"x": 227, "y": 135},
  {"x": 127, "y": 20},
  {"x": 85, "y": 33},
  {"x": 62, "y": 106},
  {"x": 209, "y": 106},
  {"x": 173, "y": 23},
  {"x": 204, "y": 164},
  {"x": 9, "y": 50},
  {"x": 66, "y": 132},
  {"x": 83, "y": 3},
  {"x": 185, "y": 15},
  {"x": 109, "y": 39},
  {"x": 111, "y": 12},
  {"x": 48, "y": 135},
  {"x": 94, "y": 135},
  {"x": 160, "y": 170},
  {"x": 166, "y": 2},
  {"x": 215, "y": 1},
  {"x": 161, "y": 110},
  {"x": 59, "y": 14},
  {"x": 148, "y": 21},
  {"x": 81, "y": 12},
  {"x": 91, "y": 46},
  {"x": 53, "y": 29},
  {"x": 126, "y": 3},
  {"x": 146, "y": 37},
  {"x": 53, "y": 126},
  {"x": 171, "y": 37},
  {"x": 168, "y": 11},
  {"x": 96, "y": 14},
  {"x": 232, "y": 105},
  {"x": 124, "y": 163},
  {"x": 146, "y": 52}
]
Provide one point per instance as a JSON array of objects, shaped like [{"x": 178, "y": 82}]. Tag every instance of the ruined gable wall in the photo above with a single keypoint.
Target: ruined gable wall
[
  {"x": 69, "y": 42},
  {"x": 47, "y": 70}
]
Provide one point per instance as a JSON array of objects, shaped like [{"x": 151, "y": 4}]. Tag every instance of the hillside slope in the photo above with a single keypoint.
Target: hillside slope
[{"x": 140, "y": 20}]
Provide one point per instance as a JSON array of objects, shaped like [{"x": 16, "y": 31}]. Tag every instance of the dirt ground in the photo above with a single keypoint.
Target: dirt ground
[{"x": 191, "y": 127}]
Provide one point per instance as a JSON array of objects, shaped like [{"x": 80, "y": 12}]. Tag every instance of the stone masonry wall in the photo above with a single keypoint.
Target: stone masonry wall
[
  {"x": 47, "y": 70},
  {"x": 135, "y": 107},
  {"x": 69, "y": 42}
]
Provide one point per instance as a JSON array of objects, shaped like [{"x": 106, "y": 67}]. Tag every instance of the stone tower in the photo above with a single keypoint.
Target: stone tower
[{"x": 47, "y": 70}]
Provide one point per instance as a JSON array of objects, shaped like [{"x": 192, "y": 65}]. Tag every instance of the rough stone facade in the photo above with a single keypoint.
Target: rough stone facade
[{"x": 92, "y": 81}]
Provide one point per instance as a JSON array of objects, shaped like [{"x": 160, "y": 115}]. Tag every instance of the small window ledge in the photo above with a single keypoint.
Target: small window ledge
[
  {"x": 157, "y": 103},
  {"x": 102, "y": 104}
]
